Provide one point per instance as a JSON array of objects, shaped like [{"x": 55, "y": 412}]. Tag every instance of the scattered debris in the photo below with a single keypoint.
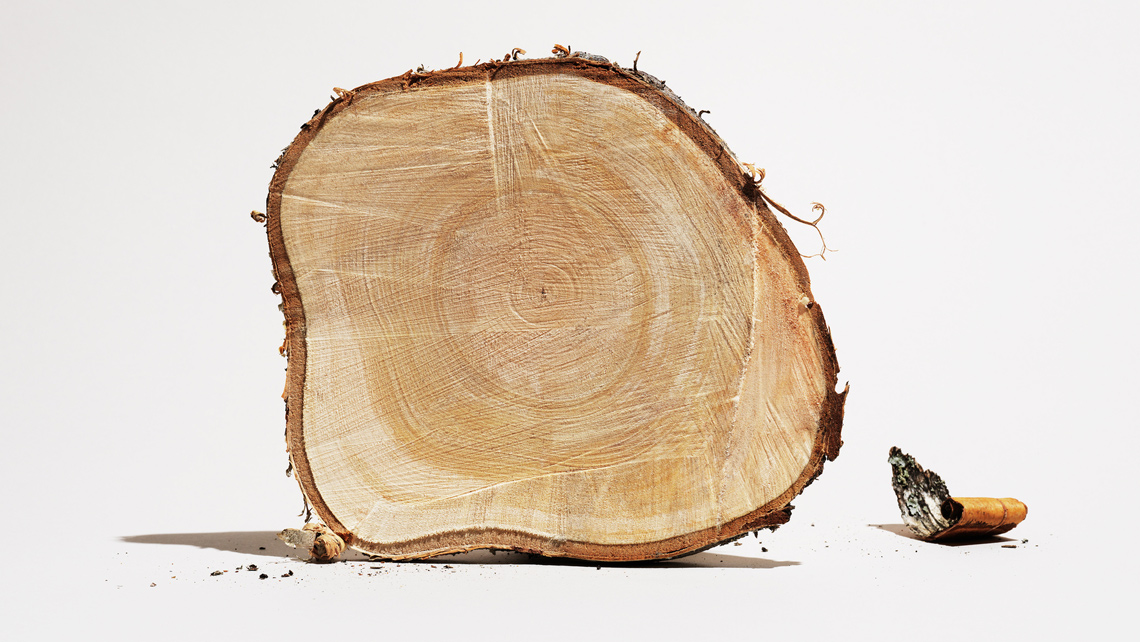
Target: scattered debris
[
  {"x": 263, "y": 576},
  {"x": 289, "y": 574},
  {"x": 215, "y": 573},
  {"x": 932, "y": 514},
  {"x": 251, "y": 567}
]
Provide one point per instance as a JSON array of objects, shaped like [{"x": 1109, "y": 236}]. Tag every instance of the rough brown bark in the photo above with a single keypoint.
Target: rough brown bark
[{"x": 538, "y": 305}]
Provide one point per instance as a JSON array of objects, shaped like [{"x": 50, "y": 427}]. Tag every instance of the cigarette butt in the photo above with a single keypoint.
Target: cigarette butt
[{"x": 932, "y": 514}]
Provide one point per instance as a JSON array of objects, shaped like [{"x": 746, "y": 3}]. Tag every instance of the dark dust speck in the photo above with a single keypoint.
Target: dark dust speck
[
  {"x": 215, "y": 573},
  {"x": 763, "y": 549},
  {"x": 261, "y": 548},
  {"x": 263, "y": 576},
  {"x": 251, "y": 567},
  {"x": 289, "y": 574},
  {"x": 1009, "y": 545}
]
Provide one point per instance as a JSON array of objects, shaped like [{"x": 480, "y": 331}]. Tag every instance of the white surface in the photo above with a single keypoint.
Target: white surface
[{"x": 977, "y": 160}]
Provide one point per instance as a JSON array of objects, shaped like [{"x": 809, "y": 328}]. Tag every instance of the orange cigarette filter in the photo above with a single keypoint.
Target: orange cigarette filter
[{"x": 981, "y": 516}]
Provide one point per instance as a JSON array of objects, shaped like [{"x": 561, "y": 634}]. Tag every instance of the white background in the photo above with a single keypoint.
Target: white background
[{"x": 978, "y": 161}]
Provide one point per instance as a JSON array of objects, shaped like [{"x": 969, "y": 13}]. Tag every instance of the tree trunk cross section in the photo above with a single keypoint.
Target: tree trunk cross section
[{"x": 538, "y": 306}]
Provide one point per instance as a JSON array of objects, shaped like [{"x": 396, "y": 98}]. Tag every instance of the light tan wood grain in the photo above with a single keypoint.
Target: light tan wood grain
[{"x": 536, "y": 314}]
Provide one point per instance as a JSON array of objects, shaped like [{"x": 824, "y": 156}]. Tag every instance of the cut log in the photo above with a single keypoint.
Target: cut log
[{"x": 539, "y": 306}]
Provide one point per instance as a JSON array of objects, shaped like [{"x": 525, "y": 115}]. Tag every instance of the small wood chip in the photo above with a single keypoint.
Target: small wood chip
[{"x": 322, "y": 544}]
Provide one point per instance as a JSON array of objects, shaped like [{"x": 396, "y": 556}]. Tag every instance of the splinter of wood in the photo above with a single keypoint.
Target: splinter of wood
[
  {"x": 322, "y": 544},
  {"x": 929, "y": 510}
]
